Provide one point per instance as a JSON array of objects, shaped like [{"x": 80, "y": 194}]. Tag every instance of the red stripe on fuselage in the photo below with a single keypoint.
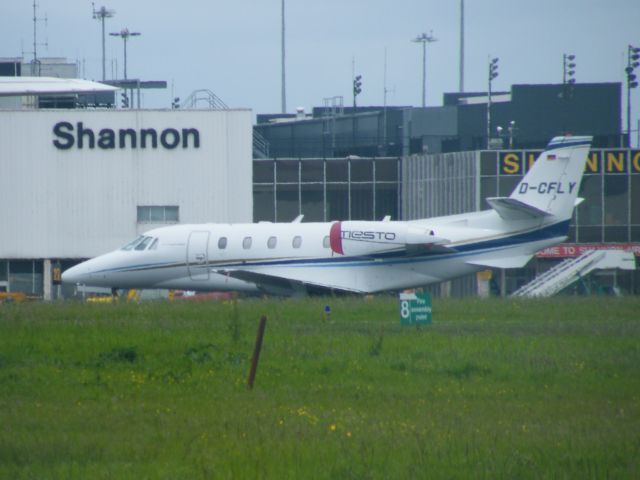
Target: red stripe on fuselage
[{"x": 335, "y": 238}]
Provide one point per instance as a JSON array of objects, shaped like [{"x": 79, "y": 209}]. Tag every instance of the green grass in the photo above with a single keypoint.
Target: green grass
[{"x": 493, "y": 389}]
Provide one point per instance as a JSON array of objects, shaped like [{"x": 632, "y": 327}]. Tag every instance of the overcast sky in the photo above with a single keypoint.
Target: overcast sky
[{"x": 233, "y": 47}]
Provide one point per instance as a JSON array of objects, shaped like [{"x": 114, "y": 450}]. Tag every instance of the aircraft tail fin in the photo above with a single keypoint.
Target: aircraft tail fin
[{"x": 550, "y": 188}]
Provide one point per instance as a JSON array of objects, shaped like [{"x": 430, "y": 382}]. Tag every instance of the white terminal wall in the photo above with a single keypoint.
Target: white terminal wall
[{"x": 79, "y": 203}]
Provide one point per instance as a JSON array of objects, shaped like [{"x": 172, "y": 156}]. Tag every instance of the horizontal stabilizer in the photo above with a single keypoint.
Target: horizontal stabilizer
[
  {"x": 512, "y": 209},
  {"x": 578, "y": 201},
  {"x": 518, "y": 261}
]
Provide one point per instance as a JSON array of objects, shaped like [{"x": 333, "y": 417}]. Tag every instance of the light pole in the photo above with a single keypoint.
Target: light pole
[
  {"x": 461, "y": 82},
  {"x": 568, "y": 69},
  {"x": 283, "y": 92},
  {"x": 424, "y": 38},
  {"x": 568, "y": 80},
  {"x": 512, "y": 130},
  {"x": 101, "y": 15},
  {"x": 125, "y": 34},
  {"x": 633, "y": 57},
  {"x": 493, "y": 73},
  {"x": 357, "y": 90},
  {"x": 568, "y": 75}
]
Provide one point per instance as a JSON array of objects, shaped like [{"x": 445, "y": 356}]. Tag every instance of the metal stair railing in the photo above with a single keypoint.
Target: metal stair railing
[
  {"x": 206, "y": 96},
  {"x": 560, "y": 276}
]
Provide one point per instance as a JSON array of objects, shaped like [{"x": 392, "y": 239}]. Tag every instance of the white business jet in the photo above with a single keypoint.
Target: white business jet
[{"x": 354, "y": 256}]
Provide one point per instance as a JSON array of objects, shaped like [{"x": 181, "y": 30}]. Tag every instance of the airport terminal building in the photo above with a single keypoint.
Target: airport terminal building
[{"x": 78, "y": 183}]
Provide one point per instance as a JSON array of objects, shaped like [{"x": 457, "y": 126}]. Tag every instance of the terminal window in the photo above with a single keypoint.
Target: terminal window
[{"x": 158, "y": 214}]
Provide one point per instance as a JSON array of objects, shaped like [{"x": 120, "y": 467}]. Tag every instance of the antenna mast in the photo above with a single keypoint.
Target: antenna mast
[{"x": 35, "y": 63}]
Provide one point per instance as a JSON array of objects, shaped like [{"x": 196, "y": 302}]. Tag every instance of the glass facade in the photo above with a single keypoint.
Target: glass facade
[
  {"x": 4, "y": 271},
  {"x": 326, "y": 189},
  {"x": 26, "y": 276},
  {"x": 369, "y": 189}
]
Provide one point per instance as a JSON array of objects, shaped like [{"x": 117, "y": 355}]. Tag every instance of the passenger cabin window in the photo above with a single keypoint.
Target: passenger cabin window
[
  {"x": 271, "y": 243},
  {"x": 297, "y": 241},
  {"x": 246, "y": 243},
  {"x": 222, "y": 243},
  {"x": 325, "y": 242}
]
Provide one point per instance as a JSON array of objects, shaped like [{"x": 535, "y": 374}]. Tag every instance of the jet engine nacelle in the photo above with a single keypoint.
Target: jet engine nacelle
[{"x": 366, "y": 238}]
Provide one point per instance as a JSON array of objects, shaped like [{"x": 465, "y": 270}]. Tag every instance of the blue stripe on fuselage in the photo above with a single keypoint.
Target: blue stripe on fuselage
[{"x": 551, "y": 231}]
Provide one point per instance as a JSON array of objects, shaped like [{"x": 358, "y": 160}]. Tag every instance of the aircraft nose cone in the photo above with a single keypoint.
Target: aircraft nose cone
[{"x": 78, "y": 274}]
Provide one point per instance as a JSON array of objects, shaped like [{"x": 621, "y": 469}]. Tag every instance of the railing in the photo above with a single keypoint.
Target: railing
[
  {"x": 560, "y": 276},
  {"x": 260, "y": 145},
  {"x": 210, "y": 99},
  {"x": 565, "y": 273}
]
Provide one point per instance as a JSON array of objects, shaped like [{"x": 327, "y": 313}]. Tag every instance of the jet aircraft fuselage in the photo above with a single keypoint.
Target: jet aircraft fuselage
[{"x": 355, "y": 256}]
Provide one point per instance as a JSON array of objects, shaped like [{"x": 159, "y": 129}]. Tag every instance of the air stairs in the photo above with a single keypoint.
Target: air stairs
[{"x": 565, "y": 273}]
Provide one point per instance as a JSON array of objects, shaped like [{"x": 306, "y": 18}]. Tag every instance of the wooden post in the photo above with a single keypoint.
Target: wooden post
[{"x": 256, "y": 351}]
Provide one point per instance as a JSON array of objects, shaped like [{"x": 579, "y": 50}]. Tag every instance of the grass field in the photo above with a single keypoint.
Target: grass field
[{"x": 493, "y": 389}]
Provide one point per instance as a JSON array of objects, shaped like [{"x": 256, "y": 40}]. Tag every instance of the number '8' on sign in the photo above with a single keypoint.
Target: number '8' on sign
[{"x": 415, "y": 309}]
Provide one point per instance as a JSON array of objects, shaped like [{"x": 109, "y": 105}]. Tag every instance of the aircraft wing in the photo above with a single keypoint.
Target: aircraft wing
[
  {"x": 428, "y": 248},
  {"x": 517, "y": 261},
  {"x": 285, "y": 280}
]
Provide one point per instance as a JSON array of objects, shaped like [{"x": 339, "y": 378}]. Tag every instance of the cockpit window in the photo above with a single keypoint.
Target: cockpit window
[
  {"x": 143, "y": 244},
  {"x": 131, "y": 245}
]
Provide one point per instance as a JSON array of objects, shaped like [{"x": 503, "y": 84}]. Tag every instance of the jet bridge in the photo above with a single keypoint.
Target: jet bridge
[{"x": 565, "y": 273}]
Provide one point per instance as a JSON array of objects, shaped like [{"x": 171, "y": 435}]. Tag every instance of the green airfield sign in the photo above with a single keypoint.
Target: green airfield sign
[{"x": 415, "y": 309}]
